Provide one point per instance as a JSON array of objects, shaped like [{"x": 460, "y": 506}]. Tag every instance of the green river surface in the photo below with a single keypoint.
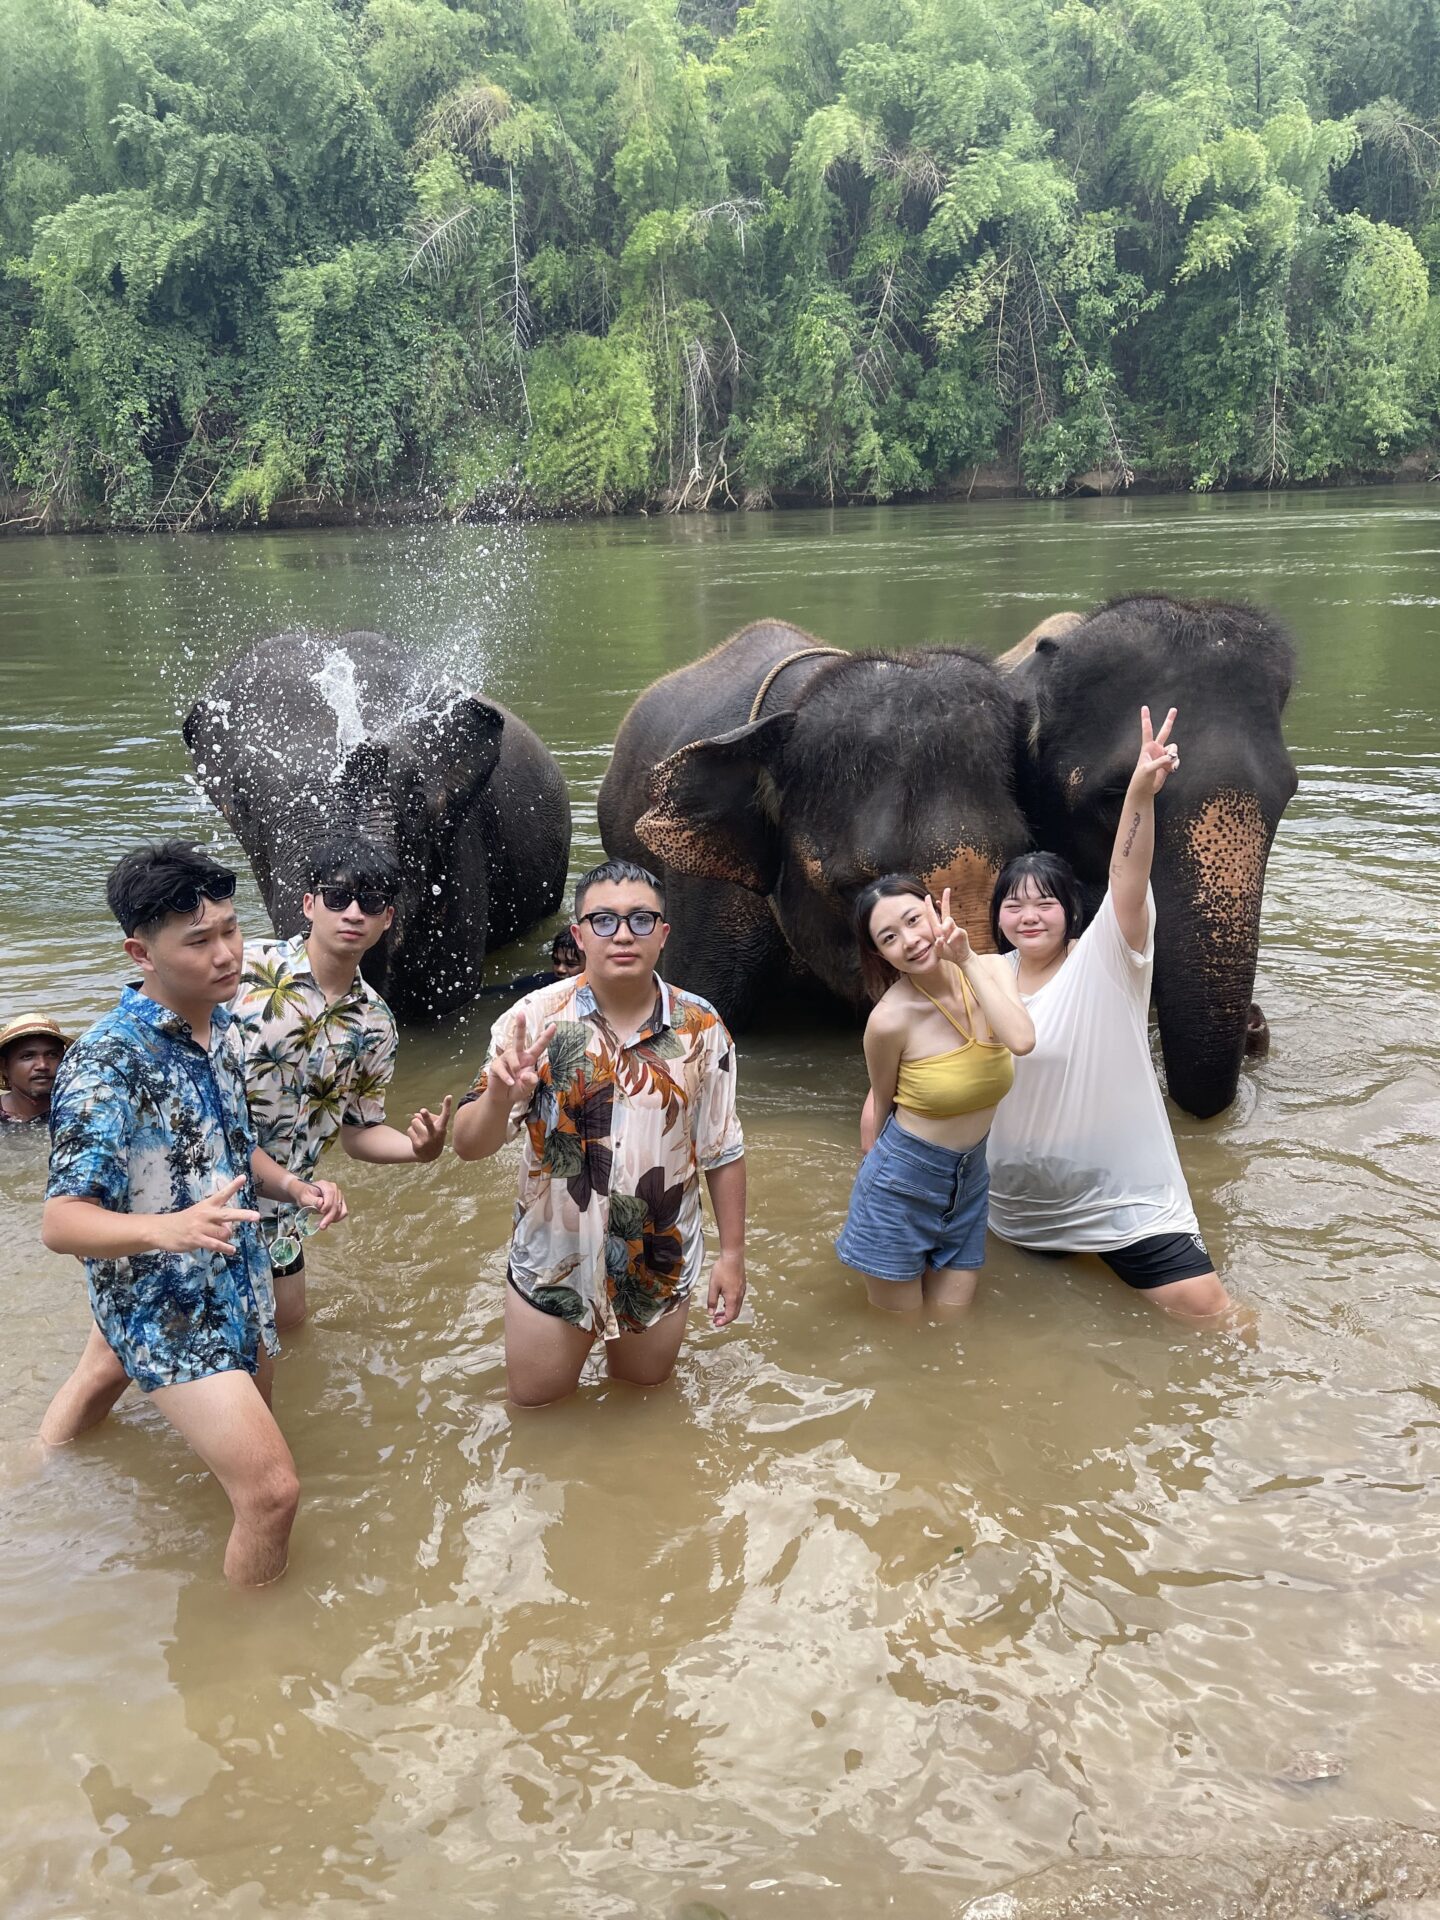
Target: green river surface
[{"x": 1058, "y": 1609}]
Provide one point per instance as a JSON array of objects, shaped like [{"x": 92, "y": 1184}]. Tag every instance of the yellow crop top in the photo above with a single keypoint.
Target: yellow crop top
[{"x": 968, "y": 1079}]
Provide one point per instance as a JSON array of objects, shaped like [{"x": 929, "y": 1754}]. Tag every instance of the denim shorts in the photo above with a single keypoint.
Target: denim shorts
[{"x": 915, "y": 1205}]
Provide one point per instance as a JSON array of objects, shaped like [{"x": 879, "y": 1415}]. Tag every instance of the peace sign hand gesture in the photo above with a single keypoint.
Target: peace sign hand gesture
[
  {"x": 517, "y": 1067},
  {"x": 952, "y": 940},
  {"x": 1159, "y": 756},
  {"x": 210, "y": 1224},
  {"x": 427, "y": 1131}
]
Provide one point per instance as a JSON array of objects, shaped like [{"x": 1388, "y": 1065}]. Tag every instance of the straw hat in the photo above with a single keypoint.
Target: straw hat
[{"x": 24, "y": 1029}]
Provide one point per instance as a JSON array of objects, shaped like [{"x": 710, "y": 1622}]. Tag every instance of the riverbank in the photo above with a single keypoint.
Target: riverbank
[{"x": 998, "y": 481}]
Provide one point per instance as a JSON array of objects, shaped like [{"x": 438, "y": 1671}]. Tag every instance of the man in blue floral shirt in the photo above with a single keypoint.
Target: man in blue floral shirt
[
  {"x": 153, "y": 1178},
  {"x": 320, "y": 1045}
]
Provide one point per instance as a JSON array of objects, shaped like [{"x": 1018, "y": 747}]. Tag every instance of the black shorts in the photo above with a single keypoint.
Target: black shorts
[
  {"x": 297, "y": 1265},
  {"x": 1160, "y": 1260}
]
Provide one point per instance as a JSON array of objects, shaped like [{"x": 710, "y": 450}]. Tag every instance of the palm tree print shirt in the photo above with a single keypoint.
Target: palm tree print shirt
[
  {"x": 608, "y": 1225},
  {"x": 146, "y": 1120},
  {"x": 312, "y": 1065}
]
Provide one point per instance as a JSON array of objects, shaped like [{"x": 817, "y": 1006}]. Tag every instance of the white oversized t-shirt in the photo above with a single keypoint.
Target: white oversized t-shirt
[{"x": 1082, "y": 1159}]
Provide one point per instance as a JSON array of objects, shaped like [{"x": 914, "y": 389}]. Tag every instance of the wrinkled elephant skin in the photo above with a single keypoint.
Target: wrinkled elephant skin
[
  {"x": 766, "y": 829},
  {"x": 1227, "y": 670},
  {"x": 305, "y": 735}
]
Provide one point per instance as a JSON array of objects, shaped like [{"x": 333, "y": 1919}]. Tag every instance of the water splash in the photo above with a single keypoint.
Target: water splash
[{"x": 336, "y": 681}]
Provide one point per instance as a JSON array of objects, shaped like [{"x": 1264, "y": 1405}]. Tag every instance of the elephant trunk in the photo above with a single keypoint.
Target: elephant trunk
[
  {"x": 969, "y": 874},
  {"x": 1209, "y": 879}
]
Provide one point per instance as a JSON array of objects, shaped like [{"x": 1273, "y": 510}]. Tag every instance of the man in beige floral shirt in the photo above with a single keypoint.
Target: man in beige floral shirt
[
  {"x": 320, "y": 1048},
  {"x": 623, "y": 1087}
]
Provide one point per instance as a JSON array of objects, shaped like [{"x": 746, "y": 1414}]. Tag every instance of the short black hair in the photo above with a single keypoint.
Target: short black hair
[
  {"x": 1052, "y": 876},
  {"x": 563, "y": 950},
  {"x": 141, "y": 888},
  {"x": 357, "y": 858},
  {"x": 617, "y": 872}
]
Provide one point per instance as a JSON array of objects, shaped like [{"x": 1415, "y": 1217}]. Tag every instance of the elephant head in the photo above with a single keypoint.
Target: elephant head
[
  {"x": 1227, "y": 670},
  {"x": 887, "y": 762},
  {"x": 276, "y": 749}
]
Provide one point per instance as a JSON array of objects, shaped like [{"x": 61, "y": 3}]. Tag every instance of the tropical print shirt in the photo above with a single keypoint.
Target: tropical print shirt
[
  {"x": 146, "y": 1120},
  {"x": 312, "y": 1065},
  {"x": 608, "y": 1223}
]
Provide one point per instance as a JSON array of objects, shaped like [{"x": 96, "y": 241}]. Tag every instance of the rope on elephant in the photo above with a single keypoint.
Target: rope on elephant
[{"x": 805, "y": 653}]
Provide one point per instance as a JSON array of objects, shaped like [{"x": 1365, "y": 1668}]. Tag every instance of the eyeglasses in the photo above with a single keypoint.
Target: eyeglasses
[
  {"x": 371, "y": 900},
  {"x": 286, "y": 1247},
  {"x": 642, "y": 922}
]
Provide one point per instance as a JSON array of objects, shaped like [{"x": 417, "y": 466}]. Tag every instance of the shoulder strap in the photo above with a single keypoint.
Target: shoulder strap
[{"x": 964, "y": 1001}]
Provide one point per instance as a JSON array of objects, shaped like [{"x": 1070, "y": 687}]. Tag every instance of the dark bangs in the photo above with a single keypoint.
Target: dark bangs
[
  {"x": 1052, "y": 876},
  {"x": 354, "y": 859}
]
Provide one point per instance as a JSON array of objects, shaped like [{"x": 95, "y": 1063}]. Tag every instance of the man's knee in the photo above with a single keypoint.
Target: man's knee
[
  {"x": 1203, "y": 1298},
  {"x": 528, "y": 1394},
  {"x": 642, "y": 1373},
  {"x": 271, "y": 1497}
]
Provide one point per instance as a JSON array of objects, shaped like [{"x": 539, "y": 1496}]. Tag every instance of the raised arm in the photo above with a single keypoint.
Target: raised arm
[
  {"x": 482, "y": 1126},
  {"x": 1134, "y": 849}
]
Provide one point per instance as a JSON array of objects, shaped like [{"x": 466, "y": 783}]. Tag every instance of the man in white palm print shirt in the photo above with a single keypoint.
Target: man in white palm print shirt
[{"x": 320, "y": 1046}]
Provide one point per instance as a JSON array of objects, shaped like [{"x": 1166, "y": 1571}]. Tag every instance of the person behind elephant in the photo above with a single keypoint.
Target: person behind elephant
[
  {"x": 320, "y": 1047},
  {"x": 916, "y": 1223},
  {"x": 1082, "y": 1159},
  {"x": 154, "y": 1172},
  {"x": 624, "y": 1089},
  {"x": 566, "y": 961}
]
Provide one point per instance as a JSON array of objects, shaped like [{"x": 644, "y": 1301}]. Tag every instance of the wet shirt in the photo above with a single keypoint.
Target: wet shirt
[
  {"x": 17, "y": 1125},
  {"x": 1082, "y": 1158},
  {"x": 312, "y": 1065},
  {"x": 145, "y": 1120},
  {"x": 608, "y": 1223}
]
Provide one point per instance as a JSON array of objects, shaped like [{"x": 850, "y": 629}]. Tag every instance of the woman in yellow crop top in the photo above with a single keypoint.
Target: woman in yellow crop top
[{"x": 940, "y": 1046}]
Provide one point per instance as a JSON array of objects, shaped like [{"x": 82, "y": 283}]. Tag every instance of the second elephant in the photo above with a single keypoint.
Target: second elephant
[
  {"x": 771, "y": 779},
  {"x": 1227, "y": 670}
]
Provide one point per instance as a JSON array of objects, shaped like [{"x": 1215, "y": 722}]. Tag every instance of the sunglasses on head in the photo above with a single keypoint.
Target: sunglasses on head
[
  {"x": 368, "y": 899},
  {"x": 642, "y": 922},
  {"x": 186, "y": 897}
]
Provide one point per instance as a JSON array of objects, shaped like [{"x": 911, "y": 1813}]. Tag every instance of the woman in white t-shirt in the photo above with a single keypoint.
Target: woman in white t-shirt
[{"x": 1082, "y": 1159}]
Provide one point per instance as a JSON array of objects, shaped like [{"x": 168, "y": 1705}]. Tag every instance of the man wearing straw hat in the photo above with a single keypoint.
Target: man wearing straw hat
[{"x": 31, "y": 1049}]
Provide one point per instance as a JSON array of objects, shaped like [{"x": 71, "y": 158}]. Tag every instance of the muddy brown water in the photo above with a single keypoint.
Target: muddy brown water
[{"x": 1055, "y": 1611}]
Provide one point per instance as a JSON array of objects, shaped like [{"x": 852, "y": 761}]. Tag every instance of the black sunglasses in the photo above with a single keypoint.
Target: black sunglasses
[
  {"x": 186, "y": 898},
  {"x": 642, "y": 922},
  {"x": 369, "y": 899}
]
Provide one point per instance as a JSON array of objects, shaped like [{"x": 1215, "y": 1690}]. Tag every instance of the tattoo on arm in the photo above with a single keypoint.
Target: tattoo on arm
[{"x": 1130, "y": 836}]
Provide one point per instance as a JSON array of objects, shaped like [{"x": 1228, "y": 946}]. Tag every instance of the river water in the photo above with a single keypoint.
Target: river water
[{"x": 1058, "y": 1610}]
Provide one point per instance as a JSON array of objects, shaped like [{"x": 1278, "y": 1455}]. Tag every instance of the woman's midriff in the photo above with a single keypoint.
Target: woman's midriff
[{"x": 956, "y": 1134}]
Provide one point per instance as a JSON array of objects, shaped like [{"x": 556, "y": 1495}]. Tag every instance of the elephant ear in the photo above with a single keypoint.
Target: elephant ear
[
  {"x": 457, "y": 749},
  {"x": 708, "y": 812},
  {"x": 207, "y": 734}
]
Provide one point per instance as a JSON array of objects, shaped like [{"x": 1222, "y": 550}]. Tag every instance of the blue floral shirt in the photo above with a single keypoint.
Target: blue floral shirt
[{"x": 145, "y": 1120}]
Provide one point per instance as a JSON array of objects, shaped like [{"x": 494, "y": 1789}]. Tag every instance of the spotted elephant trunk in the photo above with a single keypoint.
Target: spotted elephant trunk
[{"x": 1209, "y": 878}]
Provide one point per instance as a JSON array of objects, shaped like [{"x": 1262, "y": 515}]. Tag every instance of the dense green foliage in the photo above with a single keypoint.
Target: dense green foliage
[{"x": 574, "y": 254}]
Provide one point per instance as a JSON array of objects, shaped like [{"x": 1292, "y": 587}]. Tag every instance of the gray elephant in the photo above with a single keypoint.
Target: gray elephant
[
  {"x": 771, "y": 779},
  {"x": 304, "y": 734},
  {"x": 1228, "y": 670}
]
